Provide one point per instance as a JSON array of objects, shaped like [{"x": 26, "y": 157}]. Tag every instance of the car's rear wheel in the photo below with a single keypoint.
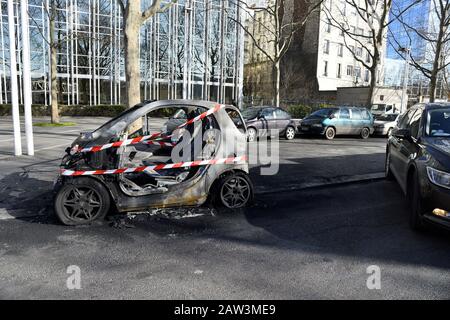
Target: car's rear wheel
[
  {"x": 415, "y": 203},
  {"x": 235, "y": 191},
  {"x": 387, "y": 166},
  {"x": 365, "y": 133},
  {"x": 330, "y": 133},
  {"x": 251, "y": 134},
  {"x": 290, "y": 133},
  {"x": 82, "y": 201}
]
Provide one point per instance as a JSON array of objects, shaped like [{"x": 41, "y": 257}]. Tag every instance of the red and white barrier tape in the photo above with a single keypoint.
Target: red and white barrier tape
[
  {"x": 236, "y": 160},
  {"x": 153, "y": 136}
]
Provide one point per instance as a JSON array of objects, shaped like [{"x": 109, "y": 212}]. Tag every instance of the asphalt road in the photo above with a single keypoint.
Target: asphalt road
[
  {"x": 313, "y": 244},
  {"x": 303, "y": 244}
]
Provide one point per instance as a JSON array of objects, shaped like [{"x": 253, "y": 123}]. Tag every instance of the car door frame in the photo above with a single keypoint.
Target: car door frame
[
  {"x": 402, "y": 149},
  {"x": 344, "y": 125}
]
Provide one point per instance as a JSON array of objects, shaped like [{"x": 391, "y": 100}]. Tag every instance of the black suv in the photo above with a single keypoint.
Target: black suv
[{"x": 418, "y": 156}]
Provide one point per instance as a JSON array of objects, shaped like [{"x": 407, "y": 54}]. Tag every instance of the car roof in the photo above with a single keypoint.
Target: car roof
[{"x": 436, "y": 105}]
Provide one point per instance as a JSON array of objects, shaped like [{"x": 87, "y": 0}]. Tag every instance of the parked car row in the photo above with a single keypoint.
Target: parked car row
[{"x": 328, "y": 122}]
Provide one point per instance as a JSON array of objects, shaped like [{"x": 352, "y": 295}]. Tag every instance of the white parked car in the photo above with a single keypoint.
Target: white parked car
[{"x": 384, "y": 124}]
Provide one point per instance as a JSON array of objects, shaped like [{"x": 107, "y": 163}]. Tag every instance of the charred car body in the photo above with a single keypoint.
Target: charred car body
[{"x": 82, "y": 199}]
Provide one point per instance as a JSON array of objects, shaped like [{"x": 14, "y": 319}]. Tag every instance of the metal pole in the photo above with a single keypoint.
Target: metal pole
[
  {"x": 26, "y": 69},
  {"x": 13, "y": 75}
]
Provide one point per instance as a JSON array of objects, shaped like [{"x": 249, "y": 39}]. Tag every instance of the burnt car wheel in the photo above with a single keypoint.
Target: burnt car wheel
[
  {"x": 251, "y": 134},
  {"x": 290, "y": 133},
  {"x": 82, "y": 201},
  {"x": 415, "y": 203},
  {"x": 236, "y": 191}
]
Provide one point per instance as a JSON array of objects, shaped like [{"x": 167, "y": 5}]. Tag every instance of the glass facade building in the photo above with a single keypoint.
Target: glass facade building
[
  {"x": 420, "y": 17},
  {"x": 192, "y": 51}
]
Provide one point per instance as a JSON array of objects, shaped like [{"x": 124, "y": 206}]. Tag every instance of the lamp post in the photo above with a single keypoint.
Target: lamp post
[
  {"x": 26, "y": 75},
  {"x": 407, "y": 52},
  {"x": 13, "y": 76}
]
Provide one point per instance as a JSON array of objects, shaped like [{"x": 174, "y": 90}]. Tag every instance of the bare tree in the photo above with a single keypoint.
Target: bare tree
[
  {"x": 54, "y": 40},
  {"x": 436, "y": 59},
  {"x": 277, "y": 31},
  {"x": 134, "y": 18},
  {"x": 374, "y": 15}
]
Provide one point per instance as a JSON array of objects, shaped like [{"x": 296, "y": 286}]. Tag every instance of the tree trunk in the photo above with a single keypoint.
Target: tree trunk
[
  {"x": 432, "y": 87},
  {"x": 276, "y": 78},
  {"x": 53, "y": 74},
  {"x": 373, "y": 84},
  {"x": 132, "y": 61}
]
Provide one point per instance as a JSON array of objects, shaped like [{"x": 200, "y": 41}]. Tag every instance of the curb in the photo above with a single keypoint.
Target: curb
[{"x": 330, "y": 183}]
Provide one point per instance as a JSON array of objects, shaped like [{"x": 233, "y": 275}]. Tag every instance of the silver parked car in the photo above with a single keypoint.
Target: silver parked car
[{"x": 384, "y": 124}]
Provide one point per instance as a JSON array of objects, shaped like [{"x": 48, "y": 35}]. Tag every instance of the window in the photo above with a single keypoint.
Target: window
[
  {"x": 268, "y": 113},
  {"x": 357, "y": 72},
  {"x": 351, "y": 49},
  {"x": 350, "y": 71},
  {"x": 237, "y": 119},
  {"x": 358, "y": 52},
  {"x": 325, "y": 68},
  {"x": 280, "y": 114},
  {"x": 415, "y": 123},
  {"x": 341, "y": 30},
  {"x": 367, "y": 57},
  {"x": 328, "y": 27},
  {"x": 339, "y": 71},
  {"x": 367, "y": 76},
  {"x": 365, "y": 114},
  {"x": 340, "y": 49},
  {"x": 326, "y": 46},
  {"x": 344, "y": 113},
  {"x": 405, "y": 120},
  {"x": 360, "y": 31},
  {"x": 356, "y": 114}
]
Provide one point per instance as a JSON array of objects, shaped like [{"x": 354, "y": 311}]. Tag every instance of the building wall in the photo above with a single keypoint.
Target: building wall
[
  {"x": 342, "y": 70},
  {"x": 194, "y": 50},
  {"x": 382, "y": 95},
  {"x": 303, "y": 68}
]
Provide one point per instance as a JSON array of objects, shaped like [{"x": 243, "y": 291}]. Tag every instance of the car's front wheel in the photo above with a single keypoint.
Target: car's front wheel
[
  {"x": 290, "y": 133},
  {"x": 235, "y": 191},
  {"x": 82, "y": 201},
  {"x": 415, "y": 203}
]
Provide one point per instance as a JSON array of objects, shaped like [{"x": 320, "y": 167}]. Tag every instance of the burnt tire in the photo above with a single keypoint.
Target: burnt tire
[
  {"x": 234, "y": 191},
  {"x": 330, "y": 133},
  {"x": 365, "y": 133},
  {"x": 82, "y": 201},
  {"x": 415, "y": 203}
]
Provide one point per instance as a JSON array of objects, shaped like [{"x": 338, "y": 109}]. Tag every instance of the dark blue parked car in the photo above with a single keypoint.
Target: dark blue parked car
[{"x": 330, "y": 122}]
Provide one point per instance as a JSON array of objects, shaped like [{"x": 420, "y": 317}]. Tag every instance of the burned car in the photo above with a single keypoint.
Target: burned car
[{"x": 131, "y": 165}]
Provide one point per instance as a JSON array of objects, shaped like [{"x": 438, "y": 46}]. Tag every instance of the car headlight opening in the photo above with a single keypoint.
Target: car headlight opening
[{"x": 438, "y": 177}]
